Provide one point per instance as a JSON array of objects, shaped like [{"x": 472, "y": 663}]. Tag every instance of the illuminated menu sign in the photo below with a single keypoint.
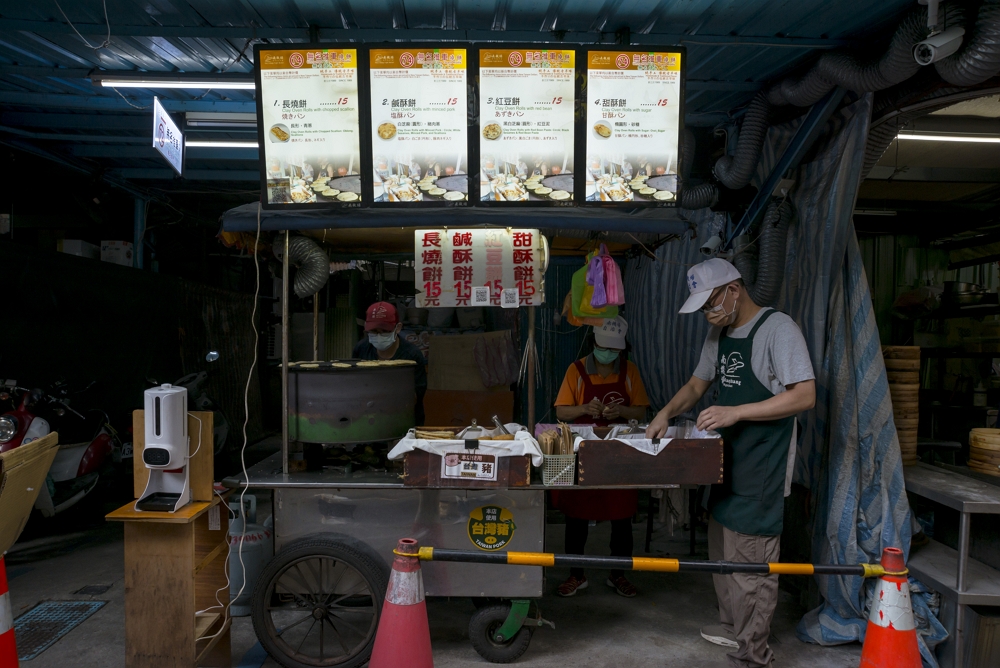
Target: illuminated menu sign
[
  {"x": 310, "y": 137},
  {"x": 419, "y": 125},
  {"x": 479, "y": 267},
  {"x": 633, "y": 126},
  {"x": 526, "y": 125}
]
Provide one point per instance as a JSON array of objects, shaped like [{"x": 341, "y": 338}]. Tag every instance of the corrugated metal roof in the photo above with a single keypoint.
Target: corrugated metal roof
[{"x": 49, "y": 105}]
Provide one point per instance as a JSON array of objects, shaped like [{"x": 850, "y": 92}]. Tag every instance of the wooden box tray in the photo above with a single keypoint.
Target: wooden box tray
[
  {"x": 682, "y": 462},
  {"x": 423, "y": 469}
]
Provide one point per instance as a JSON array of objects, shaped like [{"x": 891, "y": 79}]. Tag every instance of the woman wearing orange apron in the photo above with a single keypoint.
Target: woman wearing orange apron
[{"x": 602, "y": 388}]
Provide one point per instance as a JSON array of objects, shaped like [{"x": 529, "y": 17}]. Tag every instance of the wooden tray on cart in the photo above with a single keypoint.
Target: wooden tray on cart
[{"x": 683, "y": 461}]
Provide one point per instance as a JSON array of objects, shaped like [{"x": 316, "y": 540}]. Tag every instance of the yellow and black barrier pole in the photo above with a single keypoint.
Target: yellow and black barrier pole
[{"x": 646, "y": 563}]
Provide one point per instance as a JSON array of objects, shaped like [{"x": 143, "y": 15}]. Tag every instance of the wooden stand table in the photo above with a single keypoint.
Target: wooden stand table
[{"x": 174, "y": 566}]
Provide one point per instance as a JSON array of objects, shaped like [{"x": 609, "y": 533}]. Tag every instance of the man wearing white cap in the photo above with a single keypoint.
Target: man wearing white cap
[
  {"x": 765, "y": 379},
  {"x": 601, "y": 388}
]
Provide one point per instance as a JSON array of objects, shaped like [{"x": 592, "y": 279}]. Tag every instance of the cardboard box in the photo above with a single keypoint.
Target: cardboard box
[
  {"x": 457, "y": 409},
  {"x": 117, "y": 252},
  {"x": 79, "y": 247},
  {"x": 22, "y": 474},
  {"x": 452, "y": 363}
]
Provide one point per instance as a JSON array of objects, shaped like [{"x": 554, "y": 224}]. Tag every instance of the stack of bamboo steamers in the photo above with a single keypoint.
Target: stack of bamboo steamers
[
  {"x": 902, "y": 365},
  {"x": 984, "y": 451}
]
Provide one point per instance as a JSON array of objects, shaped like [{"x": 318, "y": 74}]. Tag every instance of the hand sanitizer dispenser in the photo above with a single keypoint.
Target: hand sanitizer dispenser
[{"x": 166, "y": 451}]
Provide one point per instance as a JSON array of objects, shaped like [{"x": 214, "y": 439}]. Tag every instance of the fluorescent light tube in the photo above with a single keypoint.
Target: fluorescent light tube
[
  {"x": 202, "y": 143},
  {"x": 153, "y": 83},
  {"x": 957, "y": 138}
]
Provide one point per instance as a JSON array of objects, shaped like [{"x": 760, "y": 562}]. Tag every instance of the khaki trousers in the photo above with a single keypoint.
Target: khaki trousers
[{"x": 746, "y": 602}]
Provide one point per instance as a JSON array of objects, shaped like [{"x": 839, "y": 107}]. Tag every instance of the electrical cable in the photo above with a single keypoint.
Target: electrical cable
[
  {"x": 191, "y": 456},
  {"x": 107, "y": 40},
  {"x": 243, "y": 462}
]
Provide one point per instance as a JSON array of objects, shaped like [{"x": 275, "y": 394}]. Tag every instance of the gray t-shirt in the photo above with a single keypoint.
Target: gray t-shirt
[{"x": 780, "y": 356}]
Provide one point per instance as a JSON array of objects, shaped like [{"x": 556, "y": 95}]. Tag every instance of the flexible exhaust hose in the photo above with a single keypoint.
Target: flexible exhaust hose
[
  {"x": 700, "y": 197},
  {"x": 763, "y": 275},
  {"x": 895, "y": 65},
  {"x": 313, "y": 266},
  {"x": 736, "y": 171},
  {"x": 695, "y": 197},
  {"x": 979, "y": 57}
]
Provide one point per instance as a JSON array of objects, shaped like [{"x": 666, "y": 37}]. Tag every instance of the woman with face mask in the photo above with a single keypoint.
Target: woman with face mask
[
  {"x": 382, "y": 342},
  {"x": 600, "y": 389},
  {"x": 765, "y": 378}
]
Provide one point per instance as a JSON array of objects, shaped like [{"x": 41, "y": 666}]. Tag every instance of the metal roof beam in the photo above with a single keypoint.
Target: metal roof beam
[
  {"x": 28, "y": 71},
  {"x": 190, "y": 174},
  {"x": 195, "y": 153},
  {"x": 87, "y": 121},
  {"x": 380, "y": 35},
  {"x": 42, "y": 100},
  {"x": 939, "y": 174}
]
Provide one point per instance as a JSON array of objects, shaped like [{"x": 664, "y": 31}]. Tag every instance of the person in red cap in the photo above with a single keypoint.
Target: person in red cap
[{"x": 382, "y": 342}]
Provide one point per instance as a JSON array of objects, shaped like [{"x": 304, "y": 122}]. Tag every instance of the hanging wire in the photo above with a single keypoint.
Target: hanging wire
[{"x": 107, "y": 40}]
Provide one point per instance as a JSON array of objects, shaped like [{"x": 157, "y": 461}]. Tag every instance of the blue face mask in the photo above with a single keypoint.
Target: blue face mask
[
  {"x": 382, "y": 341},
  {"x": 606, "y": 355}
]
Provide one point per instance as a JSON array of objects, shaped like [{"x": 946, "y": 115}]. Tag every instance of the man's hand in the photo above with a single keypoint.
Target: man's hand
[
  {"x": 658, "y": 426},
  {"x": 612, "y": 411},
  {"x": 718, "y": 417},
  {"x": 595, "y": 408}
]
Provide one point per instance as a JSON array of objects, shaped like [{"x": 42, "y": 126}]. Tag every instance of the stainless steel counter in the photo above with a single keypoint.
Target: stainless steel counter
[{"x": 267, "y": 475}]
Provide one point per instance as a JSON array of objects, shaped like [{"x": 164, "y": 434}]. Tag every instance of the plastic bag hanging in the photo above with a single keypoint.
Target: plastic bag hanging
[{"x": 614, "y": 286}]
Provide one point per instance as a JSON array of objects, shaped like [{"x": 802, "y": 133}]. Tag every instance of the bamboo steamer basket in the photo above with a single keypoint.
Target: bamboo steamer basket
[
  {"x": 985, "y": 456},
  {"x": 906, "y": 423},
  {"x": 901, "y": 352},
  {"x": 905, "y": 413},
  {"x": 900, "y": 406},
  {"x": 902, "y": 365},
  {"x": 989, "y": 470},
  {"x": 903, "y": 377}
]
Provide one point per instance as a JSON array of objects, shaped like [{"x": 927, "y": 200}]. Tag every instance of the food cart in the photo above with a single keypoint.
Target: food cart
[{"x": 413, "y": 138}]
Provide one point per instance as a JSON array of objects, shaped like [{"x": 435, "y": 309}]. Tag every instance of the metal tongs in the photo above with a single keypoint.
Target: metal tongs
[{"x": 499, "y": 424}]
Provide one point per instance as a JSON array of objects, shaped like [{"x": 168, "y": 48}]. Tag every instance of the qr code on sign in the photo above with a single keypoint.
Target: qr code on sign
[
  {"x": 480, "y": 296},
  {"x": 509, "y": 298}
]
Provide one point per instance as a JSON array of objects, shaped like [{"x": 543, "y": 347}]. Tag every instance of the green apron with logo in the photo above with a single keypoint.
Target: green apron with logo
[{"x": 751, "y": 498}]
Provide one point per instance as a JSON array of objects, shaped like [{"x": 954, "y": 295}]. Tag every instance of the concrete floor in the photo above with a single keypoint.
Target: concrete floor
[{"x": 594, "y": 628}]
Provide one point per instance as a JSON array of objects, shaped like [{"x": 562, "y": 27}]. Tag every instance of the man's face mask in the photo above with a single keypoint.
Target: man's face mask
[
  {"x": 606, "y": 355},
  {"x": 382, "y": 341},
  {"x": 718, "y": 315}
]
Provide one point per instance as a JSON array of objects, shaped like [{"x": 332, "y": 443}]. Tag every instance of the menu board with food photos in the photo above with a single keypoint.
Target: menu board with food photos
[
  {"x": 419, "y": 119},
  {"x": 307, "y": 102},
  {"x": 633, "y": 126},
  {"x": 526, "y": 143}
]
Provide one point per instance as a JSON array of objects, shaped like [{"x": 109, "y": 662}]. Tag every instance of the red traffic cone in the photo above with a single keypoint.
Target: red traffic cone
[
  {"x": 403, "y": 637},
  {"x": 8, "y": 649},
  {"x": 891, "y": 638}
]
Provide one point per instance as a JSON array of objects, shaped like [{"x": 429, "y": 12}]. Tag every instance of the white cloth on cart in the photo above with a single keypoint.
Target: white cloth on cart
[
  {"x": 646, "y": 445},
  {"x": 523, "y": 444}
]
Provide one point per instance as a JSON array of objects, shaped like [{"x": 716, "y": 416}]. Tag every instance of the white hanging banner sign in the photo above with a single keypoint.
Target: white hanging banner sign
[
  {"x": 479, "y": 267},
  {"x": 167, "y": 137}
]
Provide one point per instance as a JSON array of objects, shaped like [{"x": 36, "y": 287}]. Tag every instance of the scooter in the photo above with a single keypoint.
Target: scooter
[{"x": 90, "y": 442}]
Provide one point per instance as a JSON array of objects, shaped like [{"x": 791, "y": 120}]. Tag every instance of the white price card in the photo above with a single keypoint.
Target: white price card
[{"x": 459, "y": 465}]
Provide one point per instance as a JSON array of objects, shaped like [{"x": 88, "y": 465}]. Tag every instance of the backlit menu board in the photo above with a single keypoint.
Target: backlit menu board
[
  {"x": 526, "y": 134},
  {"x": 633, "y": 125},
  {"x": 419, "y": 125},
  {"x": 308, "y": 125}
]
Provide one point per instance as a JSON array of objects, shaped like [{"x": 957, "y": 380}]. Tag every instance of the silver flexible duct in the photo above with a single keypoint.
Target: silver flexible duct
[
  {"x": 735, "y": 171},
  {"x": 312, "y": 263},
  {"x": 764, "y": 273},
  {"x": 979, "y": 57}
]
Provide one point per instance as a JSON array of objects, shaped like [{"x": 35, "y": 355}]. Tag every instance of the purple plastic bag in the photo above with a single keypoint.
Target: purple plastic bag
[{"x": 595, "y": 277}]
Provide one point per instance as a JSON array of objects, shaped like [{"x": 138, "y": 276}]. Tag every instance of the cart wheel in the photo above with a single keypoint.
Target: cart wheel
[
  {"x": 317, "y": 603},
  {"x": 483, "y": 626}
]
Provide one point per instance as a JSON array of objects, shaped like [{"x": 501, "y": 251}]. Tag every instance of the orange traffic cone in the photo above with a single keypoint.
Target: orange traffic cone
[
  {"x": 8, "y": 650},
  {"x": 891, "y": 638},
  {"x": 403, "y": 637}
]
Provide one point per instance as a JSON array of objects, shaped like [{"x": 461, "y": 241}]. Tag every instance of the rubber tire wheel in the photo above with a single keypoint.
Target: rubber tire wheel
[
  {"x": 373, "y": 572},
  {"x": 484, "y": 623}
]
